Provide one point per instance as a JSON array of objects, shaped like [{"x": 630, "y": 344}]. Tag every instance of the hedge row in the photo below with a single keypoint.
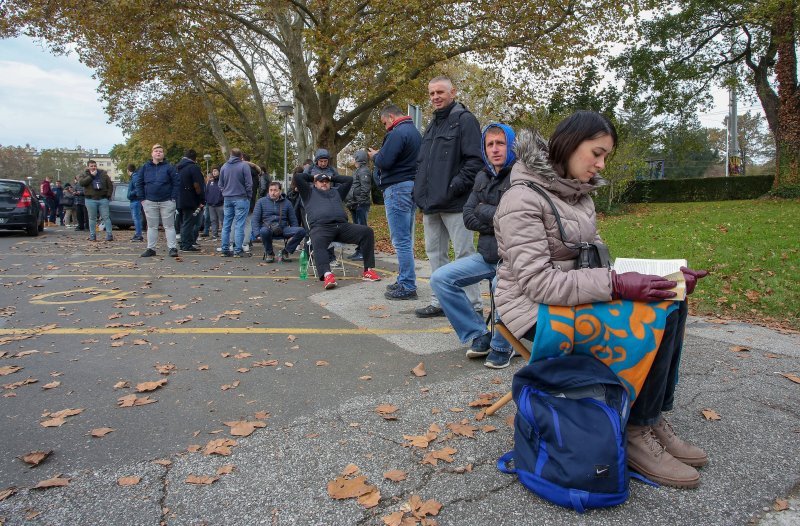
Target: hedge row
[{"x": 705, "y": 189}]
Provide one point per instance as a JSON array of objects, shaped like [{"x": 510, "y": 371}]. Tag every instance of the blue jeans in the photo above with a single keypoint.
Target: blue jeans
[
  {"x": 136, "y": 215},
  {"x": 448, "y": 284},
  {"x": 293, "y": 235},
  {"x": 235, "y": 212},
  {"x": 93, "y": 205},
  {"x": 399, "y": 201}
]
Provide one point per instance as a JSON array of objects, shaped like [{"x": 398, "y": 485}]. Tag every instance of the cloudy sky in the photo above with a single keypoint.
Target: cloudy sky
[{"x": 50, "y": 101}]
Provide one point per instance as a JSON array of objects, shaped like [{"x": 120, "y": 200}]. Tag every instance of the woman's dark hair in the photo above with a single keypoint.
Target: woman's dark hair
[
  {"x": 131, "y": 167},
  {"x": 572, "y": 131}
]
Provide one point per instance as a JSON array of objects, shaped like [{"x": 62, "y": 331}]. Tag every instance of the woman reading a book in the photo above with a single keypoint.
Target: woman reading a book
[{"x": 624, "y": 319}]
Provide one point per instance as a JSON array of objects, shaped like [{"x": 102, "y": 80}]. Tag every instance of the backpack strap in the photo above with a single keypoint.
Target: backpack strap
[{"x": 502, "y": 463}]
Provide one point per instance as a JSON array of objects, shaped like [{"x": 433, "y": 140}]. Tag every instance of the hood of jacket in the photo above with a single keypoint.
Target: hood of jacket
[
  {"x": 361, "y": 157},
  {"x": 183, "y": 162},
  {"x": 533, "y": 164},
  {"x": 234, "y": 160},
  {"x": 510, "y": 138},
  {"x": 322, "y": 153}
]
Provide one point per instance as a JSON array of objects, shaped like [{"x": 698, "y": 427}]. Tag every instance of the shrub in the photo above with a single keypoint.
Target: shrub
[{"x": 705, "y": 189}]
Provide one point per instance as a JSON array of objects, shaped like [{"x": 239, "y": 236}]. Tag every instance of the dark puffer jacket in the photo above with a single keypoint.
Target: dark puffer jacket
[
  {"x": 360, "y": 193},
  {"x": 190, "y": 174},
  {"x": 449, "y": 159}
]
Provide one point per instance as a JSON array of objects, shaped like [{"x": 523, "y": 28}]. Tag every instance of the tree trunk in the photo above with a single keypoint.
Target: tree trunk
[{"x": 787, "y": 169}]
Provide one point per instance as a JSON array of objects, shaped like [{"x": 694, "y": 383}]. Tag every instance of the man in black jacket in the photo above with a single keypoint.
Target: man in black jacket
[
  {"x": 450, "y": 156},
  {"x": 327, "y": 222},
  {"x": 191, "y": 199}
]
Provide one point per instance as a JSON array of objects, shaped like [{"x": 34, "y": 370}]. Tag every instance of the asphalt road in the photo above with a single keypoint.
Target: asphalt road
[{"x": 241, "y": 340}]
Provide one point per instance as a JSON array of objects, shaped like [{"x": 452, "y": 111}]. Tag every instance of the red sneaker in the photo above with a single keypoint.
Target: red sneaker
[
  {"x": 330, "y": 281},
  {"x": 370, "y": 275}
]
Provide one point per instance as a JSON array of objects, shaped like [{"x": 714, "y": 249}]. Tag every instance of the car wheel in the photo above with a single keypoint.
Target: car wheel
[{"x": 32, "y": 230}]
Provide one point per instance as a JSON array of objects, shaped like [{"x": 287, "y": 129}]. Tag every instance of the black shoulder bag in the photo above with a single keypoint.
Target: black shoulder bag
[{"x": 590, "y": 255}]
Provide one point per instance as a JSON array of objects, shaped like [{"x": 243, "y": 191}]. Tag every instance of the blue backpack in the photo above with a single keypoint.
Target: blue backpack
[{"x": 569, "y": 432}]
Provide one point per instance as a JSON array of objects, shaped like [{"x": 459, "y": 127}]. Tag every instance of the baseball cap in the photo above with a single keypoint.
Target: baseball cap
[{"x": 320, "y": 177}]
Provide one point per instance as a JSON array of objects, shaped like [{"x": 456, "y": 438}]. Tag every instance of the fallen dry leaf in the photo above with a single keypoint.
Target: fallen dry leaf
[
  {"x": 322, "y": 363},
  {"x": 101, "y": 431},
  {"x": 194, "y": 448},
  {"x": 365, "y": 377},
  {"x": 488, "y": 429},
  {"x": 163, "y": 462},
  {"x": 25, "y": 353},
  {"x": 396, "y": 475},
  {"x": 738, "y": 348},
  {"x": 792, "y": 377},
  {"x": 140, "y": 341},
  {"x": 266, "y": 363},
  {"x": 420, "y": 441},
  {"x": 53, "y": 482},
  {"x": 220, "y": 446},
  {"x": 232, "y": 385},
  {"x": 132, "y": 400},
  {"x": 205, "y": 480},
  {"x": 346, "y": 488},
  {"x": 34, "y": 458},
  {"x": 165, "y": 368},
  {"x": 261, "y": 415},
  {"x": 242, "y": 370},
  {"x": 14, "y": 385},
  {"x": 145, "y": 387},
  {"x": 128, "y": 481},
  {"x": 445, "y": 454},
  {"x": 119, "y": 335},
  {"x": 121, "y": 385},
  {"x": 778, "y": 505},
  {"x": 291, "y": 338},
  {"x": 227, "y": 469},
  {"x": 7, "y": 492},
  {"x": 242, "y": 355},
  {"x": 484, "y": 400},
  {"x": 710, "y": 414},
  {"x": 51, "y": 385},
  {"x": 419, "y": 370},
  {"x": 9, "y": 369},
  {"x": 387, "y": 411},
  {"x": 395, "y": 519},
  {"x": 371, "y": 499},
  {"x": 463, "y": 428},
  {"x": 243, "y": 428}
]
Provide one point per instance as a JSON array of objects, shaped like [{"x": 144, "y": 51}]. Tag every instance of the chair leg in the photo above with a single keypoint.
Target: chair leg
[{"x": 495, "y": 407}]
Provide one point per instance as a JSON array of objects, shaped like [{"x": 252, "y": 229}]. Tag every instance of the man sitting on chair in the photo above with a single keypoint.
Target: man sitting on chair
[
  {"x": 327, "y": 222},
  {"x": 273, "y": 216}
]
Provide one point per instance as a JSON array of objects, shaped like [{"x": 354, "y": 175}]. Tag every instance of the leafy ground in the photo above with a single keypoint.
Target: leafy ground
[{"x": 751, "y": 248}]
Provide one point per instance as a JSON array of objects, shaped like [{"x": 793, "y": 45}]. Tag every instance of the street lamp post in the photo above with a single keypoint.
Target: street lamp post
[
  {"x": 286, "y": 108},
  {"x": 207, "y": 157},
  {"x": 58, "y": 174}
]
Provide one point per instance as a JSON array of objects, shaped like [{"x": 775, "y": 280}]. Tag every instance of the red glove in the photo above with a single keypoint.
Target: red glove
[
  {"x": 641, "y": 287},
  {"x": 691, "y": 277}
]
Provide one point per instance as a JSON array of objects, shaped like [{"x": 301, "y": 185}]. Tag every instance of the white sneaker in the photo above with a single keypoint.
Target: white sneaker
[
  {"x": 219, "y": 249},
  {"x": 246, "y": 248}
]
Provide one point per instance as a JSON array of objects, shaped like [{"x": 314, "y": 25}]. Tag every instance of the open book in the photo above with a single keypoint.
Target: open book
[{"x": 667, "y": 268}]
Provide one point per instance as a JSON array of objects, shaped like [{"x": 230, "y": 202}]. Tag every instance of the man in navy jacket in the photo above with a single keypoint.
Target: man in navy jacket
[
  {"x": 395, "y": 170},
  {"x": 274, "y": 216},
  {"x": 158, "y": 186}
]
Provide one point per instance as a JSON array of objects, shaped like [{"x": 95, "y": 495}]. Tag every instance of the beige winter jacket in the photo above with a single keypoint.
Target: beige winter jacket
[{"x": 536, "y": 267}]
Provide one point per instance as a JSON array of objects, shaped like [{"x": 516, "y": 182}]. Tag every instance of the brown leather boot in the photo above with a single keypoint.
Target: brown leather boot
[
  {"x": 647, "y": 456},
  {"x": 683, "y": 451}
]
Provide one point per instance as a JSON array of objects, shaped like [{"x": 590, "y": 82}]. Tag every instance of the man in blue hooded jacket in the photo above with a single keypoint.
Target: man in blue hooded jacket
[
  {"x": 448, "y": 281},
  {"x": 158, "y": 187},
  {"x": 236, "y": 183}
]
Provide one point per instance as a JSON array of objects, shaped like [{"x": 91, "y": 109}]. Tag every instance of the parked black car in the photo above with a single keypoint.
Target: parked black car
[
  {"x": 119, "y": 207},
  {"x": 20, "y": 208}
]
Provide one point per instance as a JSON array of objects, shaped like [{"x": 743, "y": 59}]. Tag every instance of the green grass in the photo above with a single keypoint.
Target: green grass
[{"x": 751, "y": 249}]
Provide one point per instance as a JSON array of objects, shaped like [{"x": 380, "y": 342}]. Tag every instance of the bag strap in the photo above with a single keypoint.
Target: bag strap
[
  {"x": 502, "y": 463},
  {"x": 538, "y": 189}
]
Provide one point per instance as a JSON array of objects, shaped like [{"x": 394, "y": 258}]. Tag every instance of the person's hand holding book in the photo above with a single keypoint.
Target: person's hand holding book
[
  {"x": 641, "y": 287},
  {"x": 691, "y": 277}
]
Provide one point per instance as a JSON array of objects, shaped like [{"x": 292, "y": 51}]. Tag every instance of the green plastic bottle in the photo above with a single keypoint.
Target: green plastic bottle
[{"x": 303, "y": 265}]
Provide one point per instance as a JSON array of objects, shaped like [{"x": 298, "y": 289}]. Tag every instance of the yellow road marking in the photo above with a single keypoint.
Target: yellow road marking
[
  {"x": 95, "y": 294},
  {"x": 228, "y": 330}
]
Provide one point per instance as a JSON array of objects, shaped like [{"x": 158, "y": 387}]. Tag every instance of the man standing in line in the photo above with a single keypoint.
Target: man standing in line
[
  {"x": 214, "y": 202},
  {"x": 396, "y": 168},
  {"x": 450, "y": 156},
  {"x": 46, "y": 191},
  {"x": 135, "y": 203},
  {"x": 98, "y": 188},
  {"x": 158, "y": 184},
  {"x": 360, "y": 195},
  {"x": 81, "y": 214},
  {"x": 58, "y": 191},
  {"x": 236, "y": 183},
  {"x": 190, "y": 198}
]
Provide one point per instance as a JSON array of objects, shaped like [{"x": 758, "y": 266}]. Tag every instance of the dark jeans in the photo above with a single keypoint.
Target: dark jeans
[
  {"x": 658, "y": 392},
  {"x": 292, "y": 234},
  {"x": 51, "y": 205},
  {"x": 188, "y": 227},
  {"x": 323, "y": 235},
  {"x": 359, "y": 214},
  {"x": 82, "y": 216}
]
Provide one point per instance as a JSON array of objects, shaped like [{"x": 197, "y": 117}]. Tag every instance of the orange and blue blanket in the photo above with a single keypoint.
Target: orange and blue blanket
[{"x": 624, "y": 335}]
